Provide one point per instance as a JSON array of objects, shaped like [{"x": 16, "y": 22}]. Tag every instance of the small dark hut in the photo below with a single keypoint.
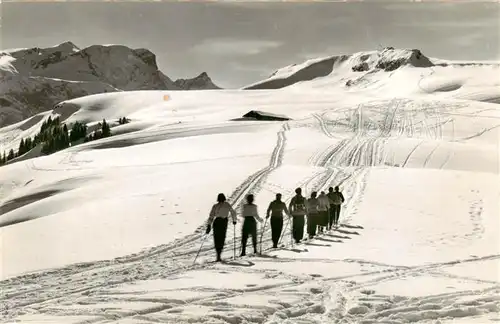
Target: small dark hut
[{"x": 262, "y": 115}]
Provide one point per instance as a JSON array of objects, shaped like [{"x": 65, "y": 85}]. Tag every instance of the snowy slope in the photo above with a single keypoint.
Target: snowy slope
[
  {"x": 35, "y": 79},
  {"x": 388, "y": 59},
  {"x": 107, "y": 231},
  {"x": 395, "y": 70}
]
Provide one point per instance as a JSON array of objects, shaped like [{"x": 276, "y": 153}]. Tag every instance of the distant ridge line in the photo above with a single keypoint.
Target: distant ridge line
[{"x": 254, "y": 1}]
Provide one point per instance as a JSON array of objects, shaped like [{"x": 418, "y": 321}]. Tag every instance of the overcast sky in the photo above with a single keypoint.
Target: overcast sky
[{"x": 240, "y": 43}]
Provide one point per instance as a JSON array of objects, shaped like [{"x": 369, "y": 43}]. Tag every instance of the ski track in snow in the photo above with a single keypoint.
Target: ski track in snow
[
  {"x": 184, "y": 244},
  {"x": 335, "y": 299}
]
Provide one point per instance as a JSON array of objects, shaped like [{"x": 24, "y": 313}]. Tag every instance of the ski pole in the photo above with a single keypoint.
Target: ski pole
[
  {"x": 284, "y": 231},
  {"x": 291, "y": 234},
  {"x": 234, "y": 241},
  {"x": 202, "y": 242},
  {"x": 262, "y": 234}
]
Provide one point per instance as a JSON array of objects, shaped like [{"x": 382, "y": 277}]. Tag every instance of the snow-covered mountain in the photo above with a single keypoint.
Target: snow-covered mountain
[
  {"x": 35, "y": 79},
  {"x": 113, "y": 230},
  {"x": 358, "y": 69}
]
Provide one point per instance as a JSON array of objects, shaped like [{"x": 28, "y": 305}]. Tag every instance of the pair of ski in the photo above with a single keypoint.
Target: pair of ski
[
  {"x": 228, "y": 260},
  {"x": 319, "y": 234},
  {"x": 234, "y": 244}
]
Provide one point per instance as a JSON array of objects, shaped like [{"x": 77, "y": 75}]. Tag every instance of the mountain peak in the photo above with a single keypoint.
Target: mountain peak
[
  {"x": 67, "y": 46},
  {"x": 36, "y": 78},
  {"x": 147, "y": 57},
  {"x": 202, "y": 81},
  {"x": 385, "y": 60},
  {"x": 390, "y": 59}
]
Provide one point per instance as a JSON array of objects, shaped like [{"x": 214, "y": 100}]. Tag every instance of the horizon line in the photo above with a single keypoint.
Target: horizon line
[{"x": 262, "y": 1}]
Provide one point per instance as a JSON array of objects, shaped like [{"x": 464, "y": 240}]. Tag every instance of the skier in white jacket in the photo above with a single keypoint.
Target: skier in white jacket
[
  {"x": 219, "y": 215},
  {"x": 323, "y": 208},
  {"x": 250, "y": 213}
]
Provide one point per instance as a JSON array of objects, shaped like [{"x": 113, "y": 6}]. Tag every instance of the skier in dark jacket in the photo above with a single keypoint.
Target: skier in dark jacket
[
  {"x": 331, "y": 210},
  {"x": 219, "y": 217},
  {"x": 275, "y": 211},
  {"x": 250, "y": 214},
  {"x": 336, "y": 200},
  {"x": 313, "y": 214},
  {"x": 297, "y": 208}
]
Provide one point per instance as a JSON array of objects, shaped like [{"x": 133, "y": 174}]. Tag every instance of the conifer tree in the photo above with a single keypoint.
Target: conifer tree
[
  {"x": 48, "y": 146},
  {"x": 78, "y": 130},
  {"x": 106, "y": 131},
  {"x": 22, "y": 149},
  {"x": 28, "y": 144}
]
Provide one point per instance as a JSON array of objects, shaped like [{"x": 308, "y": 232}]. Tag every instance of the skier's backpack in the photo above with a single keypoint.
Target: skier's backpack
[
  {"x": 299, "y": 203},
  {"x": 335, "y": 198}
]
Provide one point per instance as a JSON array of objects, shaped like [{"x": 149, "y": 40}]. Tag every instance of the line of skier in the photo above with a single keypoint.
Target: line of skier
[{"x": 322, "y": 214}]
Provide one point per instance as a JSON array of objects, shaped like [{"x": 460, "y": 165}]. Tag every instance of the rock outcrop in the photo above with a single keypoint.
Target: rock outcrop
[{"x": 33, "y": 80}]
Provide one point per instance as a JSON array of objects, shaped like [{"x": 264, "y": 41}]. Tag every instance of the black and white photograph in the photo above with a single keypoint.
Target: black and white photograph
[{"x": 249, "y": 162}]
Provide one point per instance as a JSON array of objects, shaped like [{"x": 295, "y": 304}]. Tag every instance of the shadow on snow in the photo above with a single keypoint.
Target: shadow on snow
[
  {"x": 351, "y": 226},
  {"x": 329, "y": 240}
]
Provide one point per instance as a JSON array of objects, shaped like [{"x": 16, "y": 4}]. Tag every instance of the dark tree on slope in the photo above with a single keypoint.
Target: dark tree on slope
[
  {"x": 22, "y": 148},
  {"x": 48, "y": 147},
  {"x": 50, "y": 122},
  {"x": 54, "y": 139},
  {"x": 25, "y": 146},
  {"x": 106, "y": 131},
  {"x": 11, "y": 155},
  {"x": 102, "y": 131},
  {"x": 28, "y": 144},
  {"x": 78, "y": 131},
  {"x": 97, "y": 135}
]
